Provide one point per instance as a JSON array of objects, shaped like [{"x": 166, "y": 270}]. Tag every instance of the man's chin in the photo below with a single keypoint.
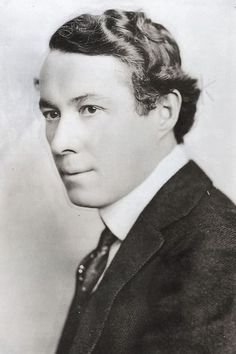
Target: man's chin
[{"x": 85, "y": 200}]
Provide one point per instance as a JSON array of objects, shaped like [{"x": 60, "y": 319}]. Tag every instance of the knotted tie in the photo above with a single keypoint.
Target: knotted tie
[
  {"x": 92, "y": 267},
  {"x": 88, "y": 273}
]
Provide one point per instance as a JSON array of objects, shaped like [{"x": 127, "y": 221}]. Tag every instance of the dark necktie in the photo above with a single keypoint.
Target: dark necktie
[
  {"x": 88, "y": 273},
  {"x": 92, "y": 267}
]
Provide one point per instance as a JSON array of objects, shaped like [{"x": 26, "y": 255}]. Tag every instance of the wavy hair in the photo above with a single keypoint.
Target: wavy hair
[{"x": 147, "y": 47}]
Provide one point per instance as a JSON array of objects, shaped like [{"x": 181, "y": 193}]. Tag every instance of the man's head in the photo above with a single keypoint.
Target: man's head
[{"x": 115, "y": 100}]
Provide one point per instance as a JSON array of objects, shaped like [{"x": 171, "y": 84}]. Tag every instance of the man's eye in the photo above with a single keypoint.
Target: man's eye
[
  {"x": 89, "y": 110},
  {"x": 51, "y": 115}
]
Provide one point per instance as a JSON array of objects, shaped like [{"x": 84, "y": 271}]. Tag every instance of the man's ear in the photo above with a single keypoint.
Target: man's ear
[{"x": 169, "y": 108}]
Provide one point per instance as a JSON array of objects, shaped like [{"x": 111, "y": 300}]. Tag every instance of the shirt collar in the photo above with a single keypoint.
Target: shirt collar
[{"x": 121, "y": 215}]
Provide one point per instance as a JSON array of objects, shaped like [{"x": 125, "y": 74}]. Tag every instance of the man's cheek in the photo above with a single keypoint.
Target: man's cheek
[{"x": 49, "y": 135}]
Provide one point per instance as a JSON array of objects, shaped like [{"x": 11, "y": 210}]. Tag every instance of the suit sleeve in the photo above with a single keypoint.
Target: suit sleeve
[{"x": 192, "y": 300}]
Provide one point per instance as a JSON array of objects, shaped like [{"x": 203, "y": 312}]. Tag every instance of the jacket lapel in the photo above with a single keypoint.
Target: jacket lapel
[
  {"x": 140, "y": 245},
  {"x": 179, "y": 195}
]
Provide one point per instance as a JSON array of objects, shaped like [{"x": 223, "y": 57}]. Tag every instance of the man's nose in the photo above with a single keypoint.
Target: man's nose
[{"x": 67, "y": 136}]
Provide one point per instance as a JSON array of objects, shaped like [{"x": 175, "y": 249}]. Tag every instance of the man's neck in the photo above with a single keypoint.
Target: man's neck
[{"x": 121, "y": 215}]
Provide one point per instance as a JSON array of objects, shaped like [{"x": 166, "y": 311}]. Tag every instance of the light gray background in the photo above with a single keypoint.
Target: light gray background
[{"x": 42, "y": 236}]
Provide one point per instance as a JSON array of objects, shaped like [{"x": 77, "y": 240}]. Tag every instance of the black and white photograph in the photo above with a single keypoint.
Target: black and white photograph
[{"x": 118, "y": 170}]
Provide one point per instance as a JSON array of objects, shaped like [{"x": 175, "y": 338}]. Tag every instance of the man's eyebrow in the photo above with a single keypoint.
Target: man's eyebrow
[
  {"x": 46, "y": 103},
  {"x": 82, "y": 98}
]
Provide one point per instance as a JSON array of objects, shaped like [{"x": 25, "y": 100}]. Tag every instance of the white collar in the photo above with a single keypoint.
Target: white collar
[{"x": 121, "y": 215}]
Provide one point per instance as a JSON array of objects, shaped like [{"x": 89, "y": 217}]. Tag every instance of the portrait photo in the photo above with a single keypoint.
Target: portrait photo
[{"x": 118, "y": 170}]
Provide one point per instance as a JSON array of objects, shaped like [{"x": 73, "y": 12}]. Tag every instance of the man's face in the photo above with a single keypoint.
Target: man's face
[{"x": 101, "y": 146}]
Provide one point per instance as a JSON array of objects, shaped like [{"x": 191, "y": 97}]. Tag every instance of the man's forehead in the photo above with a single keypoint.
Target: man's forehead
[
  {"x": 70, "y": 63},
  {"x": 73, "y": 78},
  {"x": 74, "y": 75}
]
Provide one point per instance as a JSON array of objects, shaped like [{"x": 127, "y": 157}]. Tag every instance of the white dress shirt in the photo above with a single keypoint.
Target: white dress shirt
[{"x": 121, "y": 216}]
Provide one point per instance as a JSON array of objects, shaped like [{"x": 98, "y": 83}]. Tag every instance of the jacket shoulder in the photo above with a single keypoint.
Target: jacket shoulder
[{"x": 215, "y": 217}]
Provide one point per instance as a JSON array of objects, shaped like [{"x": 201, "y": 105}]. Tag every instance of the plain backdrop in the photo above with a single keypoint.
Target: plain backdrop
[{"x": 43, "y": 236}]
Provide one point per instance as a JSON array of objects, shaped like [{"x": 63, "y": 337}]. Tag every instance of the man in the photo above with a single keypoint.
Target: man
[{"x": 117, "y": 106}]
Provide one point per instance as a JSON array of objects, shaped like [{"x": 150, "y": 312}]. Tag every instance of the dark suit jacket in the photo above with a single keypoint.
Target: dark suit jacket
[{"x": 171, "y": 287}]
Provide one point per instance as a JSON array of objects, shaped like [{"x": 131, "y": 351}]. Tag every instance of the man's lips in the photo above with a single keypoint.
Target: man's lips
[{"x": 74, "y": 173}]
